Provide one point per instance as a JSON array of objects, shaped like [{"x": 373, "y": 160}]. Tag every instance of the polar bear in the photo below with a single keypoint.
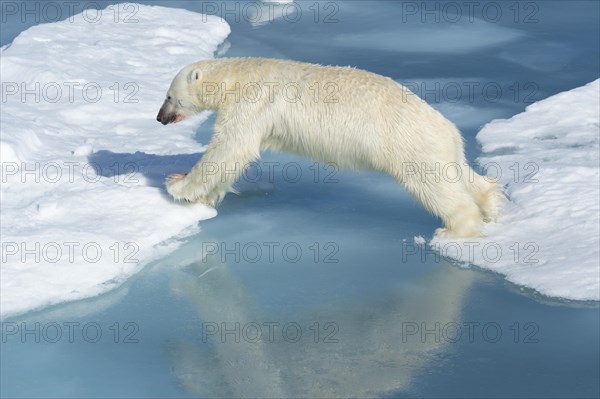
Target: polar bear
[{"x": 344, "y": 115}]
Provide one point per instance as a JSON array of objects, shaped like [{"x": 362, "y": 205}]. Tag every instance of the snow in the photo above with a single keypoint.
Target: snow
[
  {"x": 420, "y": 240},
  {"x": 83, "y": 157},
  {"x": 548, "y": 159}
]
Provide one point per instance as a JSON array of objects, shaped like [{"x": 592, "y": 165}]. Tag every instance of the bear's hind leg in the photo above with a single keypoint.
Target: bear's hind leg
[
  {"x": 487, "y": 194},
  {"x": 451, "y": 201}
]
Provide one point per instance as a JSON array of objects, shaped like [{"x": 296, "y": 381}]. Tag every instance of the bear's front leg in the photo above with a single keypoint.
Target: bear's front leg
[{"x": 221, "y": 165}]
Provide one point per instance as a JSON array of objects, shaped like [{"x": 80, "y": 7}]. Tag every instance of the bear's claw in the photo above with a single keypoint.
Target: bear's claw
[
  {"x": 177, "y": 187},
  {"x": 175, "y": 177}
]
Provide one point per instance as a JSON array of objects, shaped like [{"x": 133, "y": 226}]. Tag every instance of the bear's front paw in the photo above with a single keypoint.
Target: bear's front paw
[{"x": 181, "y": 188}]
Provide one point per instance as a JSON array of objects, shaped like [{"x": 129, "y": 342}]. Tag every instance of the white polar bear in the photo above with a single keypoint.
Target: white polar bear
[{"x": 343, "y": 115}]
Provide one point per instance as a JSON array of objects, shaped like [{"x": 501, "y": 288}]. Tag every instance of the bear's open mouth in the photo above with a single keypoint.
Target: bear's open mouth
[{"x": 172, "y": 118}]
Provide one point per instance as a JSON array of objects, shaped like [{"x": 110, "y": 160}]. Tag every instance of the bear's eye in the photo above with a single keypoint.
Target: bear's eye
[{"x": 168, "y": 97}]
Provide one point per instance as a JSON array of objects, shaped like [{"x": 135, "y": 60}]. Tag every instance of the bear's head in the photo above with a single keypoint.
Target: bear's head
[{"x": 182, "y": 99}]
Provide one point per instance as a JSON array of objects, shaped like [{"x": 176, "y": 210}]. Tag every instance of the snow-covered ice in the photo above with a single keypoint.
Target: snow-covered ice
[
  {"x": 83, "y": 157},
  {"x": 548, "y": 158}
]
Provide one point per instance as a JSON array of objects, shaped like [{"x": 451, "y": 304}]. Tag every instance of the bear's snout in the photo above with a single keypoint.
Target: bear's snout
[
  {"x": 162, "y": 117},
  {"x": 166, "y": 118}
]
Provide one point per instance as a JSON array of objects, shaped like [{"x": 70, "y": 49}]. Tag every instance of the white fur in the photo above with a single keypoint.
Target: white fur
[{"x": 347, "y": 116}]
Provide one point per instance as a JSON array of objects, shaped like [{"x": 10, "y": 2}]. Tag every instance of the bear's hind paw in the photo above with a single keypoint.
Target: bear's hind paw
[{"x": 445, "y": 233}]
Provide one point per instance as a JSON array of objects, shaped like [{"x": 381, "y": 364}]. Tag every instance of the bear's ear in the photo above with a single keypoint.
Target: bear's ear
[{"x": 195, "y": 75}]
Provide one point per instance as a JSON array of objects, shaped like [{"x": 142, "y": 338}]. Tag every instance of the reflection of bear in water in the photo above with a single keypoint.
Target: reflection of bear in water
[{"x": 346, "y": 116}]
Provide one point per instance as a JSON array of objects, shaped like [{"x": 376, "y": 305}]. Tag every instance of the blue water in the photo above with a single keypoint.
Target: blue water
[{"x": 322, "y": 263}]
